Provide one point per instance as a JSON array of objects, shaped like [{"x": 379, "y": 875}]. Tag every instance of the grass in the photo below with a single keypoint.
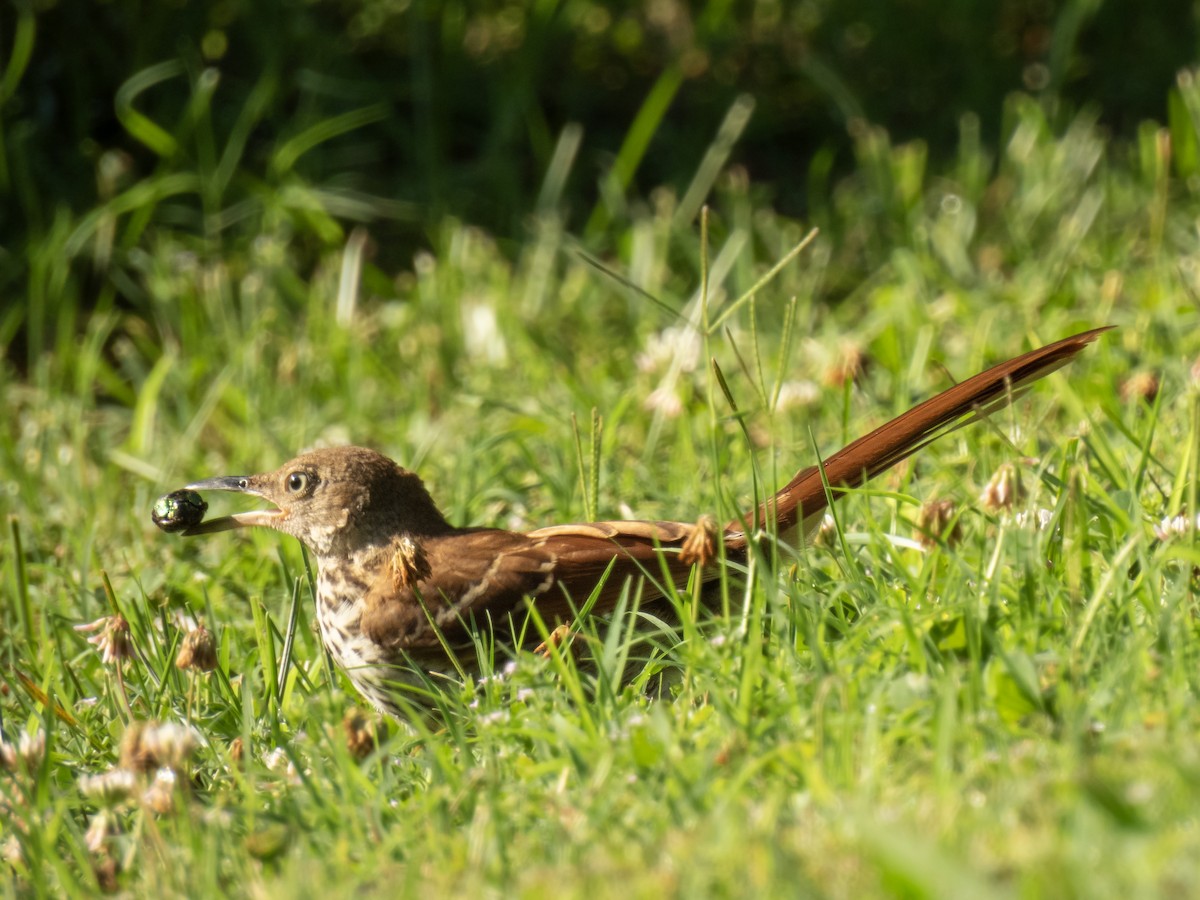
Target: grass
[{"x": 1010, "y": 714}]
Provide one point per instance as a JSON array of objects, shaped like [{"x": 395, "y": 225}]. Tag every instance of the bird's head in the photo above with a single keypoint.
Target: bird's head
[{"x": 335, "y": 501}]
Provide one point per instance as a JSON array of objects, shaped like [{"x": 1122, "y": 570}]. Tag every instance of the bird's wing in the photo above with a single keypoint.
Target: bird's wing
[
  {"x": 440, "y": 583},
  {"x": 443, "y": 582},
  {"x": 585, "y": 552}
]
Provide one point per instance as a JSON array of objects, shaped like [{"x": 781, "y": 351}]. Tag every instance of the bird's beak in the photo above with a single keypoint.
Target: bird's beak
[{"x": 242, "y": 484}]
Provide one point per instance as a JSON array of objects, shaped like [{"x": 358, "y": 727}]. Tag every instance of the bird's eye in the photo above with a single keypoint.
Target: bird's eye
[{"x": 297, "y": 482}]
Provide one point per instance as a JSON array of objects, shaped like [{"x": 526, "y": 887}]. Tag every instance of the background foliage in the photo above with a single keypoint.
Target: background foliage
[{"x": 217, "y": 123}]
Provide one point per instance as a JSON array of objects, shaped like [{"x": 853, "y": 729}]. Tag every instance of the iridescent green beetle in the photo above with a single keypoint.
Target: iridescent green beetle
[{"x": 179, "y": 511}]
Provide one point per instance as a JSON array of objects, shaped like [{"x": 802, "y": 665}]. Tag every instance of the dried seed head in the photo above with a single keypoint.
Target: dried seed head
[
  {"x": 172, "y": 744},
  {"x": 939, "y": 522},
  {"x": 27, "y": 753},
  {"x": 559, "y": 637},
  {"x": 850, "y": 365},
  {"x": 1003, "y": 490},
  {"x": 31, "y": 748},
  {"x": 112, "y": 638},
  {"x": 101, "y": 830},
  {"x": 147, "y": 746},
  {"x": 701, "y": 546},
  {"x": 106, "y": 869},
  {"x": 408, "y": 563},
  {"x": 135, "y": 756},
  {"x": 160, "y": 795},
  {"x": 1141, "y": 386},
  {"x": 110, "y": 788},
  {"x": 198, "y": 652},
  {"x": 361, "y": 737}
]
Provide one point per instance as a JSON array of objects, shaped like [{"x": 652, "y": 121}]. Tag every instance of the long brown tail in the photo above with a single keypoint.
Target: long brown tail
[{"x": 804, "y": 497}]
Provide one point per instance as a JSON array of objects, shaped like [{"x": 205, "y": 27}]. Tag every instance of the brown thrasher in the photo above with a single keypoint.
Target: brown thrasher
[{"x": 400, "y": 588}]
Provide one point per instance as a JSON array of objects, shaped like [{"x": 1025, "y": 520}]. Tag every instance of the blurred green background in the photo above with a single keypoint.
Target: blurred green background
[{"x": 218, "y": 123}]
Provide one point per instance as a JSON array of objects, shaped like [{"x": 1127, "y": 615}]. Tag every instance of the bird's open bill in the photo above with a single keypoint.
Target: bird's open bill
[{"x": 241, "y": 484}]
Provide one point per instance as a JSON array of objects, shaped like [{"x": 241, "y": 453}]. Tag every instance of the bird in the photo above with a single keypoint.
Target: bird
[{"x": 402, "y": 594}]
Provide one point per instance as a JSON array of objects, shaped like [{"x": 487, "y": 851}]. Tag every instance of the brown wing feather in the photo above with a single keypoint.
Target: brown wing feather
[
  {"x": 462, "y": 571},
  {"x": 468, "y": 573},
  {"x": 632, "y": 549}
]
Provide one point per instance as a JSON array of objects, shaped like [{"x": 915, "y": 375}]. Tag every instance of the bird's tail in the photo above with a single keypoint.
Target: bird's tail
[{"x": 803, "y": 500}]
